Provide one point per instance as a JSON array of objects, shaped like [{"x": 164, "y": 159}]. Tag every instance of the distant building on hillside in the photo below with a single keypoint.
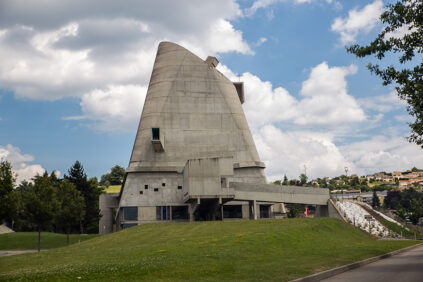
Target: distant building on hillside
[{"x": 397, "y": 174}]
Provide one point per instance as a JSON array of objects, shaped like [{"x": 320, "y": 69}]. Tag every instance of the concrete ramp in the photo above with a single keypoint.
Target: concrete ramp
[{"x": 281, "y": 194}]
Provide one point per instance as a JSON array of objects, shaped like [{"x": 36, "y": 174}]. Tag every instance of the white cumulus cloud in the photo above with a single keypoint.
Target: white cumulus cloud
[
  {"x": 358, "y": 21},
  {"x": 115, "y": 108},
  {"x": 287, "y": 153},
  {"x": 21, "y": 163},
  {"x": 325, "y": 99},
  {"x": 70, "y": 48}
]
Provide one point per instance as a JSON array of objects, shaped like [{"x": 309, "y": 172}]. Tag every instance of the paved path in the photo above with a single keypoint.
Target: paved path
[
  {"x": 405, "y": 267},
  {"x": 11, "y": 253}
]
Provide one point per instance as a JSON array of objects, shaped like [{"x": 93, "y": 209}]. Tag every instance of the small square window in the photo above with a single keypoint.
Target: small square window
[
  {"x": 155, "y": 134},
  {"x": 163, "y": 184},
  {"x": 179, "y": 187},
  {"x": 141, "y": 192},
  {"x": 156, "y": 189},
  {"x": 146, "y": 187}
]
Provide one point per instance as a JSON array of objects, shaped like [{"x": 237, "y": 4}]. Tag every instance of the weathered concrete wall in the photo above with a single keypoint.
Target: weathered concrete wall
[
  {"x": 146, "y": 214},
  {"x": 282, "y": 194},
  {"x": 205, "y": 178},
  {"x": 334, "y": 212},
  {"x": 198, "y": 111},
  {"x": 156, "y": 194},
  {"x": 107, "y": 203}
]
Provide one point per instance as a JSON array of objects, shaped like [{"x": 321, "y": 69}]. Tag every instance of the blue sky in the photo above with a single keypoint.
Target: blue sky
[{"x": 73, "y": 78}]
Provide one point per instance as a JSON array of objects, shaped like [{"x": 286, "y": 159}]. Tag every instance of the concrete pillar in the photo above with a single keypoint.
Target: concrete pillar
[
  {"x": 191, "y": 210},
  {"x": 221, "y": 212},
  {"x": 253, "y": 209}
]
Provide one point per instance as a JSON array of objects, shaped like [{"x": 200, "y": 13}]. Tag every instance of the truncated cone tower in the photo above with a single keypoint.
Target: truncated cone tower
[{"x": 192, "y": 144}]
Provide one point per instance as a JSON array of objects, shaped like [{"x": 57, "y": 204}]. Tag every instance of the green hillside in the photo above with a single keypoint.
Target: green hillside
[
  {"x": 230, "y": 250},
  {"x": 29, "y": 240},
  {"x": 113, "y": 189}
]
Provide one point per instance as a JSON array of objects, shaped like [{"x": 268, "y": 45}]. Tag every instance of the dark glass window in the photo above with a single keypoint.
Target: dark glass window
[
  {"x": 130, "y": 213},
  {"x": 179, "y": 187},
  {"x": 164, "y": 213},
  {"x": 145, "y": 186},
  {"x": 155, "y": 133},
  {"x": 156, "y": 189},
  {"x": 163, "y": 184},
  {"x": 180, "y": 212},
  {"x": 141, "y": 192},
  {"x": 234, "y": 211},
  {"x": 264, "y": 211},
  {"x": 159, "y": 213}
]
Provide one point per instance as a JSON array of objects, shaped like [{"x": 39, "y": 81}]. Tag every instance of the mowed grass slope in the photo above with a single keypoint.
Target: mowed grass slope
[
  {"x": 230, "y": 250},
  {"x": 29, "y": 240}
]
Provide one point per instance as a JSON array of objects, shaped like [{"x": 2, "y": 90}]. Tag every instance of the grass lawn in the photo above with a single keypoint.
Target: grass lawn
[
  {"x": 29, "y": 240},
  {"x": 278, "y": 250},
  {"x": 113, "y": 189}
]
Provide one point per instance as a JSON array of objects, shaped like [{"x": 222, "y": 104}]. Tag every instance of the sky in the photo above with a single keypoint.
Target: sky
[{"x": 74, "y": 75}]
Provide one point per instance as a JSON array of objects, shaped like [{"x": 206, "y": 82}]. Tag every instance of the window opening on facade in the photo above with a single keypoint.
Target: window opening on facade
[
  {"x": 130, "y": 213},
  {"x": 164, "y": 213},
  {"x": 180, "y": 187},
  {"x": 163, "y": 184},
  {"x": 233, "y": 211},
  {"x": 180, "y": 212},
  {"x": 156, "y": 189},
  {"x": 146, "y": 187},
  {"x": 264, "y": 211},
  {"x": 141, "y": 192},
  {"x": 155, "y": 134}
]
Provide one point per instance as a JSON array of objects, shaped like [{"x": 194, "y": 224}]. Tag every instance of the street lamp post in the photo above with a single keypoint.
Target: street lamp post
[{"x": 346, "y": 174}]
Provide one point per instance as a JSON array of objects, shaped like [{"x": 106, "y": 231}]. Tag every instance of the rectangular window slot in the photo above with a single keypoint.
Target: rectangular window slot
[
  {"x": 156, "y": 189},
  {"x": 141, "y": 192},
  {"x": 239, "y": 86},
  {"x": 179, "y": 187},
  {"x": 145, "y": 187},
  {"x": 157, "y": 140},
  {"x": 155, "y": 134},
  {"x": 163, "y": 184}
]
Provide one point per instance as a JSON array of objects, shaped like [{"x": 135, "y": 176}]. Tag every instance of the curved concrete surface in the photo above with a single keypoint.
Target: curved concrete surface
[{"x": 406, "y": 266}]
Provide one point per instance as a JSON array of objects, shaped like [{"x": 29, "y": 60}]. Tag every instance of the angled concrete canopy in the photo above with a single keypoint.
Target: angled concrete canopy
[{"x": 194, "y": 153}]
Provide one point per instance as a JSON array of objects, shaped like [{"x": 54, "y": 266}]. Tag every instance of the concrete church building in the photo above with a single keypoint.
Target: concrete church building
[{"x": 194, "y": 157}]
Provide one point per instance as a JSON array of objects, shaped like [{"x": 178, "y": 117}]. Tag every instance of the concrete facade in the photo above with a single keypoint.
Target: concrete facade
[{"x": 194, "y": 157}]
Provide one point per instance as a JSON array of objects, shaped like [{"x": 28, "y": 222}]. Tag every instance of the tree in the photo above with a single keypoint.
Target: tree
[
  {"x": 416, "y": 210},
  {"x": 392, "y": 199},
  {"x": 303, "y": 179},
  {"x": 41, "y": 203},
  {"x": 285, "y": 180},
  {"x": 375, "y": 200},
  {"x": 90, "y": 191},
  {"x": 71, "y": 207},
  {"x": 115, "y": 177},
  {"x": 7, "y": 195},
  {"x": 295, "y": 210},
  {"x": 21, "y": 219},
  {"x": 405, "y": 15},
  {"x": 354, "y": 181}
]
